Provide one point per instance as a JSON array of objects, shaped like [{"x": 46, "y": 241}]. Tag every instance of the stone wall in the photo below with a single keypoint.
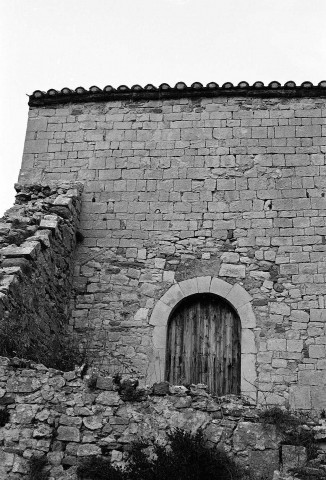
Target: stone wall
[
  {"x": 67, "y": 418},
  {"x": 231, "y": 188},
  {"x": 37, "y": 243}
]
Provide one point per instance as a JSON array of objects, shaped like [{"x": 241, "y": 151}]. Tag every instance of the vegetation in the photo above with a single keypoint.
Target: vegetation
[
  {"x": 186, "y": 457},
  {"x": 308, "y": 473},
  {"x": 4, "y": 417},
  {"x": 292, "y": 427},
  {"x": 92, "y": 382},
  {"x": 61, "y": 353},
  {"x": 37, "y": 468}
]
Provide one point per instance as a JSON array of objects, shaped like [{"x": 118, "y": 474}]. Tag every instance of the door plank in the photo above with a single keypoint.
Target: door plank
[{"x": 203, "y": 344}]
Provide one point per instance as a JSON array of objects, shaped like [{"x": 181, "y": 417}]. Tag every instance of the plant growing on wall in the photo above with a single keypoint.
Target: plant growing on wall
[
  {"x": 292, "y": 427},
  {"x": 4, "y": 417},
  {"x": 185, "y": 457},
  {"x": 37, "y": 468}
]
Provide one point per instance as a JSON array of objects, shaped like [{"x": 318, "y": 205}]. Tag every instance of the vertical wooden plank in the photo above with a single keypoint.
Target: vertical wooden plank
[{"x": 203, "y": 344}]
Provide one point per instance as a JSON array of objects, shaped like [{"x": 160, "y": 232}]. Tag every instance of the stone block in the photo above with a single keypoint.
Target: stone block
[
  {"x": 264, "y": 463},
  {"x": 44, "y": 237},
  {"x": 249, "y": 376},
  {"x": 238, "y": 296},
  {"x": 225, "y": 184},
  {"x": 230, "y": 257},
  {"x": 189, "y": 287},
  {"x": 294, "y": 345},
  {"x": 308, "y": 131},
  {"x": 26, "y": 250},
  {"x": 249, "y": 435},
  {"x": 161, "y": 388},
  {"x": 317, "y": 351},
  {"x": 293, "y": 456},
  {"x": 49, "y": 222},
  {"x": 159, "y": 336},
  {"x": 160, "y": 314},
  {"x": 318, "y": 397},
  {"x": 36, "y": 146},
  {"x": 68, "y": 434},
  {"x": 105, "y": 383},
  {"x": 23, "y": 385},
  {"x": 63, "y": 201},
  {"x": 173, "y": 296},
  {"x": 318, "y": 315},
  {"x": 204, "y": 284},
  {"x": 311, "y": 377},
  {"x": 299, "y": 316},
  {"x": 248, "y": 344},
  {"x": 108, "y": 398},
  {"x": 276, "y": 344},
  {"x": 88, "y": 449},
  {"x": 37, "y": 124},
  {"x": 220, "y": 287},
  {"x": 4, "y": 228},
  {"x": 231, "y": 270},
  {"x": 141, "y": 315},
  {"x": 93, "y": 422},
  {"x": 279, "y": 308}
]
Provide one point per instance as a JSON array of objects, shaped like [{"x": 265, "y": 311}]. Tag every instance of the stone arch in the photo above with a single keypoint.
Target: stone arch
[{"x": 239, "y": 299}]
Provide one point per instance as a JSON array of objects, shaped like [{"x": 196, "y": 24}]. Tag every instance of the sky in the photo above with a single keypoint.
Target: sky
[{"x": 69, "y": 43}]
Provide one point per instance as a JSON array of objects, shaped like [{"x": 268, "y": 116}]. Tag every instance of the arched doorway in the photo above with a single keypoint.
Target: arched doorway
[{"x": 204, "y": 344}]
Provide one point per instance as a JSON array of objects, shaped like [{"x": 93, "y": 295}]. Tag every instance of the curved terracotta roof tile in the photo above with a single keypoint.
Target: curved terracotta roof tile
[{"x": 258, "y": 89}]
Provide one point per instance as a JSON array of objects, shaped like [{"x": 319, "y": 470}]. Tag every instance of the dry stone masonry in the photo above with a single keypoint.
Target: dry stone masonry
[
  {"x": 58, "y": 415},
  {"x": 37, "y": 242}
]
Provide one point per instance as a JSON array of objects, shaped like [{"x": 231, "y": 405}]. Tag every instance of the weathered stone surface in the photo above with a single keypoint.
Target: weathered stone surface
[
  {"x": 108, "y": 398},
  {"x": 38, "y": 283},
  {"x": 105, "y": 383},
  {"x": 293, "y": 456},
  {"x": 68, "y": 434},
  {"x": 248, "y": 435},
  {"x": 264, "y": 463},
  {"x": 88, "y": 449},
  {"x": 26, "y": 250},
  {"x": 23, "y": 385},
  {"x": 179, "y": 390},
  {"x": 231, "y": 270},
  {"x": 162, "y": 388},
  {"x": 93, "y": 422}
]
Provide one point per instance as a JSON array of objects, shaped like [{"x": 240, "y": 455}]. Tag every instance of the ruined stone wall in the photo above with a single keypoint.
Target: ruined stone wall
[
  {"x": 222, "y": 188},
  {"x": 58, "y": 415},
  {"x": 37, "y": 242}
]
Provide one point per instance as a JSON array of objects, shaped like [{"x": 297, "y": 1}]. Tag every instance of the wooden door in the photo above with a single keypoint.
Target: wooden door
[{"x": 203, "y": 344}]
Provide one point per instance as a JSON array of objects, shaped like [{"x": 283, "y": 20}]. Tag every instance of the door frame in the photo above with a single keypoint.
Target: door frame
[{"x": 238, "y": 298}]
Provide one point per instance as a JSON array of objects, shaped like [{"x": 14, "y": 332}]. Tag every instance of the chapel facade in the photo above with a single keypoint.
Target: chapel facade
[{"x": 202, "y": 252}]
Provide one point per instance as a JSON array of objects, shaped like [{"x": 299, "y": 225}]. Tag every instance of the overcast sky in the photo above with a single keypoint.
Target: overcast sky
[{"x": 69, "y": 43}]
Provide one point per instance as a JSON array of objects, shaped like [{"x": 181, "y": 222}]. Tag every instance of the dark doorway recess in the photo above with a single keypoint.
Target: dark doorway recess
[{"x": 204, "y": 344}]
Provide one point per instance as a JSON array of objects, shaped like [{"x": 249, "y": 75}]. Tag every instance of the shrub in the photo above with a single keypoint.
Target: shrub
[
  {"x": 4, "y": 417},
  {"x": 304, "y": 438},
  {"x": 61, "y": 352},
  {"x": 37, "y": 468},
  {"x": 186, "y": 457},
  {"x": 99, "y": 468},
  {"x": 308, "y": 473},
  {"x": 291, "y": 426},
  {"x": 282, "y": 419},
  {"x": 92, "y": 382}
]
